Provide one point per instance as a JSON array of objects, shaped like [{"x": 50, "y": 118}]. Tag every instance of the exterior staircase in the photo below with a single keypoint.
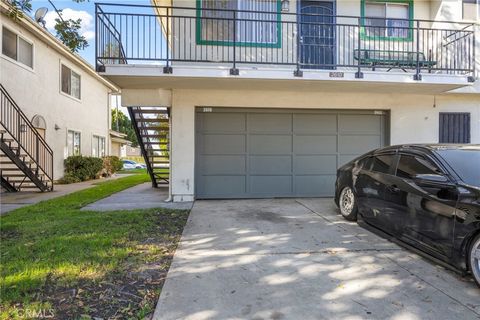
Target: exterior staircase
[
  {"x": 152, "y": 127},
  {"x": 26, "y": 160}
]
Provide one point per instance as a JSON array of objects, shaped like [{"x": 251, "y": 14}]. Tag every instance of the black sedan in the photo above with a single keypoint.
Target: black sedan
[{"x": 427, "y": 196}]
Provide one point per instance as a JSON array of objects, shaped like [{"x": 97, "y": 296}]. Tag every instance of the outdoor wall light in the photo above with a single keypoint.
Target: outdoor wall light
[
  {"x": 23, "y": 128},
  {"x": 57, "y": 127},
  {"x": 285, "y": 5}
]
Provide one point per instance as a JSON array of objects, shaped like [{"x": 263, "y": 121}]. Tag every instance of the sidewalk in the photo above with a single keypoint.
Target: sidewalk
[
  {"x": 15, "y": 200},
  {"x": 142, "y": 196}
]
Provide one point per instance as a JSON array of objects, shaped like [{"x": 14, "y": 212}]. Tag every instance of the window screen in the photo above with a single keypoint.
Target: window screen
[
  {"x": 454, "y": 127},
  {"x": 25, "y": 52},
  {"x": 387, "y": 19},
  {"x": 70, "y": 82},
  {"x": 9, "y": 43}
]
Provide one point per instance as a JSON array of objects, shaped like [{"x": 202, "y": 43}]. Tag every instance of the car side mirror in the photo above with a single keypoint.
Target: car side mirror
[{"x": 430, "y": 179}]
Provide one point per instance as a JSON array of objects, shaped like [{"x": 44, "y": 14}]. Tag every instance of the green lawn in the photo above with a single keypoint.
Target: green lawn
[{"x": 58, "y": 260}]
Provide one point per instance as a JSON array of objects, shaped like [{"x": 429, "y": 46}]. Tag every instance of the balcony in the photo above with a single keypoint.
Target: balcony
[{"x": 168, "y": 44}]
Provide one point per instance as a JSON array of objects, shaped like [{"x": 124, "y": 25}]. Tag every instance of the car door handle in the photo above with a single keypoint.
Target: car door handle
[{"x": 393, "y": 189}]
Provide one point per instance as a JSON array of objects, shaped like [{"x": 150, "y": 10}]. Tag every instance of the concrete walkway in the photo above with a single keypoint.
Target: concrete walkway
[
  {"x": 142, "y": 196},
  {"x": 297, "y": 259},
  {"x": 15, "y": 200}
]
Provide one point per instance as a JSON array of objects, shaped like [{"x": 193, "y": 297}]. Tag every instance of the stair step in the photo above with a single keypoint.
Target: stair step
[
  {"x": 10, "y": 169},
  {"x": 156, "y": 142},
  {"x": 150, "y": 111},
  {"x": 12, "y": 163},
  {"x": 13, "y": 175},
  {"x": 7, "y": 140},
  {"x": 159, "y": 136},
  {"x": 153, "y": 128},
  {"x": 153, "y": 120}
]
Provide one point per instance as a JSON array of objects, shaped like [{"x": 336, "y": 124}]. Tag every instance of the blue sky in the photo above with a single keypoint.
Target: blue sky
[{"x": 85, "y": 11}]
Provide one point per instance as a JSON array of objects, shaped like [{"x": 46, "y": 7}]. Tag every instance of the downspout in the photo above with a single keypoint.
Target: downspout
[{"x": 170, "y": 197}]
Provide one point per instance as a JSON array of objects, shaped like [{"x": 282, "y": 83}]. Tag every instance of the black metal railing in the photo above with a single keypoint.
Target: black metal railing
[
  {"x": 27, "y": 139},
  {"x": 176, "y": 35}
]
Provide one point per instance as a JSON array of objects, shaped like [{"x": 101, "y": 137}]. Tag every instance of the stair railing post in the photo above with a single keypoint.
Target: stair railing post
[
  {"x": 168, "y": 67},
  {"x": 234, "y": 70},
  {"x": 359, "y": 74},
  {"x": 417, "y": 75},
  {"x": 37, "y": 153}
]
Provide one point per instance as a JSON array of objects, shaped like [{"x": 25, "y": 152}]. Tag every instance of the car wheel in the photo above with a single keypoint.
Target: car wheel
[
  {"x": 348, "y": 204},
  {"x": 474, "y": 259}
]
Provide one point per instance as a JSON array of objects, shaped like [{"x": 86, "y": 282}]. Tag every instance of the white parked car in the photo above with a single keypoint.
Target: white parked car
[{"x": 130, "y": 164}]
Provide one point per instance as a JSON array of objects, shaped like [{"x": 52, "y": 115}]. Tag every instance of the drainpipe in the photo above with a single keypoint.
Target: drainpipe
[{"x": 170, "y": 198}]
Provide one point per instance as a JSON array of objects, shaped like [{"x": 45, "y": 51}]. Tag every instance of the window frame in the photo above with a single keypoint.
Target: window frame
[
  {"x": 16, "y": 61},
  {"x": 99, "y": 137},
  {"x": 70, "y": 95},
  {"x": 73, "y": 143},
  {"x": 200, "y": 41},
  {"x": 363, "y": 26}
]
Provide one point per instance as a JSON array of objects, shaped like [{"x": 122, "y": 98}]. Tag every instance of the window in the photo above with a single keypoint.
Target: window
[
  {"x": 74, "y": 143},
  {"x": 71, "y": 82},
  {"x": 382, "y": 163},
  {"x": 454, "y": 127},
  {"x": 255, "y": 23},
  {"x": 388, "y": 19},
  {"x": 17, "y": 48},
  {"x": 98, "y": 146},
  {"x": 471, "y": 10},
  {"x": 409, "y": 166},
  {"x": 365, "y": 163}
]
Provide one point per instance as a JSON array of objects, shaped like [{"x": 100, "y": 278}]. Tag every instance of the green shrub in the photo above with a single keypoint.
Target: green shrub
[
  {"x": 83, "y": 168},
  {"x": 68, "y": 178},
  {"x": 111, "y": 164}
]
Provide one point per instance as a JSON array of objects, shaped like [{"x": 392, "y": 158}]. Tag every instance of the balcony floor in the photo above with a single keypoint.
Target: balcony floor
[{"x": 218, "y": 77}]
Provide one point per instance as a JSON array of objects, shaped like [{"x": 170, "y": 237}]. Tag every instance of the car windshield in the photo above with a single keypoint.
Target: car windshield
[{"x": 465, "y": 162}]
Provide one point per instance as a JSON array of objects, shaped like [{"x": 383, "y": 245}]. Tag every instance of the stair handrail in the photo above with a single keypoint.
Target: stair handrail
[
  {"x": 16, "y": 135},
  {"x": 131, "y": 111}
]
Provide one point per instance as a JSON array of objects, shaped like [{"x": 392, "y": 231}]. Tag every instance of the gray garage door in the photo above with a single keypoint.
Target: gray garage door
[{"x": 253, "y": 153}]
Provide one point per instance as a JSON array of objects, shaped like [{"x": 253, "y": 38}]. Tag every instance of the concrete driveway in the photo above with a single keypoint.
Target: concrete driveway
[{"x": 297, "y": 259}]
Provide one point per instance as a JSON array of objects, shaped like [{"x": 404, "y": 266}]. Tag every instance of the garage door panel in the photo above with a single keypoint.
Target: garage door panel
[
  {"x": 265, "y": 165},
  {"x": 358, "y": 144},
  {"x": 360, "y": 123},
  {"x": 315, "y": 186},
  {"x": 223, "y": 122},
  {"x": 270, "y": 144},
  {"x": 223, "y": 144},
  {"x": 269, "y": 122},
  {"x": 244, "y": 153},
  {"x": 222, "y": 164},
  {"x": 271, "y": 185},
  {"x": 313, "y": 144},
  {"x": 345, "y": 158},
  {"x": 315, "y": 164},
  {"x": 315, "y": 123},
  {"x": 228, "y": 186}
]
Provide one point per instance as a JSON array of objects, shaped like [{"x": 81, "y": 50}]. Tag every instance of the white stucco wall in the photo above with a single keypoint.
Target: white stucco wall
[
  {"x": 414, "y": 118},
  {"x": 38, "y": 91}
]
